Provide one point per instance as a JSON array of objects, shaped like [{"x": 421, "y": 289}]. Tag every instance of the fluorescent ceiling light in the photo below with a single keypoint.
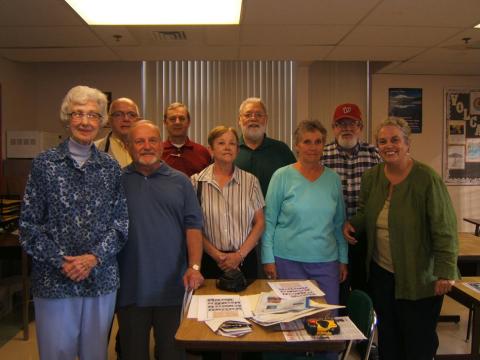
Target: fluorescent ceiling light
[
  {"x": 158, "y": 12},
  {"x": 477, "y": 26}
]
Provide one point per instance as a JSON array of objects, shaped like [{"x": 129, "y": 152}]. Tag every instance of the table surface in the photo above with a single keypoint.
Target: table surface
[
  {"x": 469, "y": 246},
  {"x": 474, "y": 295},
  {"x": 195, "y": 335}
]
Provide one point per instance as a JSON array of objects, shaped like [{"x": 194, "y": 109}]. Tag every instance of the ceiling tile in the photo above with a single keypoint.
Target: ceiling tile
[
  {"x": 57, "y": 55},
  {"x": 305, "y": 11},
  {"x": 69, "y": 36},
  {"x": 462, "y": 56},
  {"x": 38, "y": 13},
  {"x": 378, "y": 53},
  {"x": 300, "y": 53},
  {"x": 456, "y": 13},
  {"x": 292, "y": 34},
  {"x": 177, "y": 53},
  {"x": 431, "y": 68},
  {"x": 398, "y": 36}
]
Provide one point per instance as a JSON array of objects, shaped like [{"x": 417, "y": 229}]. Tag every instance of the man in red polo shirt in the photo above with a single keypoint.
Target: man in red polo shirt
[{"x": 179, "y": 151}]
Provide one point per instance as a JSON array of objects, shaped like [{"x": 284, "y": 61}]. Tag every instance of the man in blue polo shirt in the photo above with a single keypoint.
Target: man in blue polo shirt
[{"x": 164, "y": 248}]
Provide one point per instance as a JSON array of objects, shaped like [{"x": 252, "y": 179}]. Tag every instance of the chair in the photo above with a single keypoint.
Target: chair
[{"x": 360, "y": 311}]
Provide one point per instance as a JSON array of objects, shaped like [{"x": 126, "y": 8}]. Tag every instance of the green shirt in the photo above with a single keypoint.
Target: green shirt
[
  {"x": 422, "y": 228},
  {"x": 264, "y": 160}
]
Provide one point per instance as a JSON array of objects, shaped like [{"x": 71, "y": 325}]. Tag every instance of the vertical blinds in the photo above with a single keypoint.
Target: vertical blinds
[{"x": 214, "y": 90}]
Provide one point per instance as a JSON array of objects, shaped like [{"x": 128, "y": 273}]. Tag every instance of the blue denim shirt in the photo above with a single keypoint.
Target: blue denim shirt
[{"x": 70, "y": 210}]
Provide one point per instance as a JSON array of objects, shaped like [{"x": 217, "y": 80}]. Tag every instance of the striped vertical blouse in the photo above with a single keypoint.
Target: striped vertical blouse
[{"x": 228, "y": 213}]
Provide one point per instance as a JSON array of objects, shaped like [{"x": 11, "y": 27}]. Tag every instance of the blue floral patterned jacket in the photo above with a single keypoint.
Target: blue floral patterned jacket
[{"x": 72, "y": 210}]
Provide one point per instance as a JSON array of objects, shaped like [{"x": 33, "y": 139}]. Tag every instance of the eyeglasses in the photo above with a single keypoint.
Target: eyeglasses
[
  {"x": 78, "y": 115},
  {"x": 346, "y": 123},
  {"x": 249, "y": 115},
  {"x": 120, "y": 114},
  {"x": 174, "y": 118}
]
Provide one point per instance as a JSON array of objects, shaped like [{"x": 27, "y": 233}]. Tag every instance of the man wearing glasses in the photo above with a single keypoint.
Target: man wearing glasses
[
  {"x": 259, "y": 154},
  {"x": 178, "y": 150},
  {"x": 123, "y": 113},
  {"x": 349, "y": 157}
]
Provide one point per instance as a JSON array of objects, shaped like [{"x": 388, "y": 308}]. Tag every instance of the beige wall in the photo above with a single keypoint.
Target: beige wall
[
  {"x": 428, "y": 146},
  {"x": 32, "y": 93}
]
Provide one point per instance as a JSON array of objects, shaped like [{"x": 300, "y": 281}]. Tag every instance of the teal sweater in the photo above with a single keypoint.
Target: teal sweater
[
  {"x": 304, "y": 219},
  {"x": 422, "y": 228}
]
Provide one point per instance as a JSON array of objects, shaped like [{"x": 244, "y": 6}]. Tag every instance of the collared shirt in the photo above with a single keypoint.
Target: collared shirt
[
  {"x": 191, "y": 158},
  {"x": 161, "y": 207},
  {"x": 73, "y": 210},
  {"x": 228, "y": 212},
  {"x": 116, "y": 149},
  {"x": 350, "y": 166},
  {"x": 264, "y": 160}
]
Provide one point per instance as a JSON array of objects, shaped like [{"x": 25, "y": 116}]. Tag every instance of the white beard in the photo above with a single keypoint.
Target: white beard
[
  {"x": 254, "y": 134},
  {"x": 347, "y": 143}
]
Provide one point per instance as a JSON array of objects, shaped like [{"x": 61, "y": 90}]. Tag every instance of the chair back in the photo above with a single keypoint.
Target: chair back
[{"x": 360, "y": 311}]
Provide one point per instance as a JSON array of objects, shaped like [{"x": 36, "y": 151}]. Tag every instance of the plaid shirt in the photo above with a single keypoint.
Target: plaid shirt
[{"x": 350, "y": 167}]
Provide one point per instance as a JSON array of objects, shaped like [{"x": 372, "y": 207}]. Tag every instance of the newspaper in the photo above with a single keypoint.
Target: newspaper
[
  {"x": 295, "y": 331},
  {"x": 222, "y": 306},
  {"x": 272, "y": 310},
  {"x": 231, "y": 327},
  {"x": 295, "y": 289},
  {"x": 475, "y": 286}
]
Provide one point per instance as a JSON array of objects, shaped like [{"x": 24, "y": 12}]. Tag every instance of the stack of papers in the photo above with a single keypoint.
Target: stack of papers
[
  {"x": 272, "y": 310},
  {"x": 231, "y": 327}
]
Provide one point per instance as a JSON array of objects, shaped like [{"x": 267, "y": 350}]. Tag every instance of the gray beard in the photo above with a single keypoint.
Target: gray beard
[
  {"x": 254, "y": 135},
  {"x": 347, "y": 144}
]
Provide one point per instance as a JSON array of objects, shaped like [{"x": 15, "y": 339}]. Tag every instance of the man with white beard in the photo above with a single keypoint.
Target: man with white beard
[
  {"x": 259, "y": 154},
  {"x": 349, "y": 157}
]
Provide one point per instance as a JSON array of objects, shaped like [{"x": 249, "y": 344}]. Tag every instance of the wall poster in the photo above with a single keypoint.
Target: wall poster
[
  {"x": 407, "y": 104},
  {"x": 462, "y": 137}
]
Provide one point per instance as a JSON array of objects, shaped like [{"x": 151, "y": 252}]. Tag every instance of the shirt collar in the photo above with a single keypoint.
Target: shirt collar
[
  {"x": 207, "y": 174},
  {"x": 343, "y": 152},
  {"x": 163, "y": 169},
  {"x": 63, "y": 152},
  {"x": 266, "y": 142},
  {"x": 188, "y": 144}
]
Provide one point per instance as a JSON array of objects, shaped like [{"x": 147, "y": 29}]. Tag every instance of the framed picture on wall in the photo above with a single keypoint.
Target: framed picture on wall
[{"x": 407, "y": 104}]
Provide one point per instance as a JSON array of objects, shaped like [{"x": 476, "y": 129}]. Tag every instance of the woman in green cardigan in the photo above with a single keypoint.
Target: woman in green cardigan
[{"x": 412, "y": 245}]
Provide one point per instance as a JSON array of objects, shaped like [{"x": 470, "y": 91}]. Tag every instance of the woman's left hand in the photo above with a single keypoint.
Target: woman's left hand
[
  {"x": 231, "y": 261},
  {"x": 343, "y": 272},
  {"x": 443, "y": 286}
]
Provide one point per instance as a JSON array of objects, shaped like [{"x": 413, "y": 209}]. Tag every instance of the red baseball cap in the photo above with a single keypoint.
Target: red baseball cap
[{"x": 347, "y": 111}]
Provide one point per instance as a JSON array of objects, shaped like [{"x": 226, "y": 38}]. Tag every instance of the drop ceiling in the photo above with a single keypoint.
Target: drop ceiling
[{"x": 410, "y": 36}]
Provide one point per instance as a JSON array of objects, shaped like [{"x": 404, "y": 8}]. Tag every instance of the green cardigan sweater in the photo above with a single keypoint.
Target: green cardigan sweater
[{"x": 422, "y": 228}]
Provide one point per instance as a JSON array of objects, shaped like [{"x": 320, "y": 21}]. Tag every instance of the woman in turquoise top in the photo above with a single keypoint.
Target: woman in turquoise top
[
  {"x": 305, "y": 213},
  {"x": 412, "y": 245}
]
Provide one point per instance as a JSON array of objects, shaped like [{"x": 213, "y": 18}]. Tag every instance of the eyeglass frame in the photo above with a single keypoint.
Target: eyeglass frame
[
  {"x": 132, "y": 115},
  {"x": 255, "y": 114},
  {"x": 344, "y": 123},
  {"x": 79, "y": 115}
]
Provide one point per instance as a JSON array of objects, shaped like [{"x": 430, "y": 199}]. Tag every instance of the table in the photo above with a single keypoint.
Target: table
[
  {"x": 195, "y": 335},
  {"x": 470, "y": 299},
  {"x": 475, "y": 222},
  {"x": 469, "y": 250},
  {"x": 8, "y": 240}
]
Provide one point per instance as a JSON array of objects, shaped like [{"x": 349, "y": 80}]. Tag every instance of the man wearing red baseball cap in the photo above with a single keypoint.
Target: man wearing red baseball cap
[{"x": 350, "y": 157}]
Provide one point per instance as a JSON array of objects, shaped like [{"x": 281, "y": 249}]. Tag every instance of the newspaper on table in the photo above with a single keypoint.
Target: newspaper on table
[
  {"x": 231, "y": 327},
  {"x": 222, "y": 306},
  {"x": 475, "y": 286},
  {"x": 295, "y": 289},
  {"x": 295, "y": 331},
  {"x": 272, "y": 309}
]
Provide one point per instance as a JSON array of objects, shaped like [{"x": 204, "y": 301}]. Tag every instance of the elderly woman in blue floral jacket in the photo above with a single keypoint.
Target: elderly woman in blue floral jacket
[{"x": 74, "y": 221}]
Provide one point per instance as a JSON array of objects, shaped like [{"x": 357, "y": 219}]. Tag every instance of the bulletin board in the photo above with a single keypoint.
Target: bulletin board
[{"x": 461, "y": 156}]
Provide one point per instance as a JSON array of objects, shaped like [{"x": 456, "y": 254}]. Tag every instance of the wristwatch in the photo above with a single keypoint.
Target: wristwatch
[{"x": 195, "y": 267}]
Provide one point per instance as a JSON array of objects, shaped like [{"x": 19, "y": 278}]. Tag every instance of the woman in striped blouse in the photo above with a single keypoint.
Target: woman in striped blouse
[{"x": 232, "y": 205}]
